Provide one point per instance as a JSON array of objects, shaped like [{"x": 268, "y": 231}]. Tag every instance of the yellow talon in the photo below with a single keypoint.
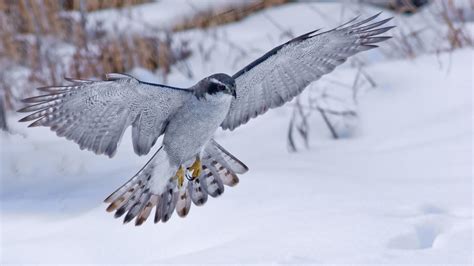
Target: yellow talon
[
  {"x": 196, "y": 168},
  {"x": 180, "y": 176}
]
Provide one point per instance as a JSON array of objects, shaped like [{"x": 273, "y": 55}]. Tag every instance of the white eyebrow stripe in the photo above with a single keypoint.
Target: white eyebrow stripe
[{"x": 213, "y": 80}]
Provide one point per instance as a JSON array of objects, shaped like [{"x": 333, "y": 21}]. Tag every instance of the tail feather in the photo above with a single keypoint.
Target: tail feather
[
  {"x": 229, "y": 178},
  {"x": 146, "y": 210},
  {"x": 120, "y": 201},
  {"x": 212, "y": 182},
  {"x": 169, "y": 199},
  {"x": 137, "y": 206},
  {"x": 197, "y": 194},
  {"x": 213, "y": 149},
  {"x": 130, "y": 203},
  {"x": 184, "y": 203},
  {"x": 158, "y": 210},
  {"x": 136, "y": 198},
  {"x": 143, "y": 175}
]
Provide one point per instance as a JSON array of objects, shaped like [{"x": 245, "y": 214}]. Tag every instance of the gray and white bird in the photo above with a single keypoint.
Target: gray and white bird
[{"x": 190, "y": 164}]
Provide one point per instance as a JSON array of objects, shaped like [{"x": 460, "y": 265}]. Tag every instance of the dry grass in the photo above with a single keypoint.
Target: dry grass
[
  {"x": 458, "y": 35},
  {"x": 231, "y": 14},
  {"x": 31, "y": 29},
  {"x": 93, "y": 5}
]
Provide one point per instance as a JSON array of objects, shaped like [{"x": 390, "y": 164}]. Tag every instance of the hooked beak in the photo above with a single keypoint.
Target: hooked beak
[{"x": 234, "y": 93}]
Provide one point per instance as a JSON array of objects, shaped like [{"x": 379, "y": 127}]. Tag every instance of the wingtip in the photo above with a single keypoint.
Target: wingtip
[
  {"x": 22, "y": 110},
  {"x": 35, "y": 124},
  {"x": 376, "y": 39},
  {"x": 24, "y": 119},
  {"x": 367, "y": 47},
  {"x": 383, "y": 21},
  {"x": 28, "y": 100},
  {"x": 308, "y": 34},
  {"x": 375, "y": 16}
]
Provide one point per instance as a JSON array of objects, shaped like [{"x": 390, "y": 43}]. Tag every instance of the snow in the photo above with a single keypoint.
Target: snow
[
  {"x": 398, "y": 192},
  {"x": 161, "y": 14}
]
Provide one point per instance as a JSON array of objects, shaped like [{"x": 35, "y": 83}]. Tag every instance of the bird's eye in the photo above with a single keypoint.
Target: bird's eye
[{"x": 214, "y": 88}]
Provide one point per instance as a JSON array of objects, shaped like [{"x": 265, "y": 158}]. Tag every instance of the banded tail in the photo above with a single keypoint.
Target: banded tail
[{"x": 137, "y": 198}]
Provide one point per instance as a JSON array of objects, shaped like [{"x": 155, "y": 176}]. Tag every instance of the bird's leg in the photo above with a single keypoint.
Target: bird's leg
[
  {"x": 196, "y": 168},
  {"x": 180, "y": 176}
]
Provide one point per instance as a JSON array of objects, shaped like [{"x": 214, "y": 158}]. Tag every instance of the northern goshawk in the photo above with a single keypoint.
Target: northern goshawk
[{"x": 190, "y": 164}]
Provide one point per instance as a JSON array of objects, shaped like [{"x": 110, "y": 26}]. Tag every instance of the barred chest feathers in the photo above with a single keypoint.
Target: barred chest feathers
[{"x": 194, "y": 125}]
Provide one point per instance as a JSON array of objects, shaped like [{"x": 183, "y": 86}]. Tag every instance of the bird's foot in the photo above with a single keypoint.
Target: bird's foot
[
  {"x": 195, "y": 168},
  {"x": 180, "y": 176}
]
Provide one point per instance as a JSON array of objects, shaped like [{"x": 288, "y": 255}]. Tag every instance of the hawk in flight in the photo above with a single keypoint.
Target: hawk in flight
[{"x": 190, "y": 165}]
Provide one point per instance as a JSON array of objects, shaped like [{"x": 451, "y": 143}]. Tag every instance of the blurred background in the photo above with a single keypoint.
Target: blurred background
[{"x": 371, "y": 164}]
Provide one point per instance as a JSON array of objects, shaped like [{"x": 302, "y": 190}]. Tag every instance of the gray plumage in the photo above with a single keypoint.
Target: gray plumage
[
  {"x": 284, "y": 72},
  {"x": 95, "y": 114}
]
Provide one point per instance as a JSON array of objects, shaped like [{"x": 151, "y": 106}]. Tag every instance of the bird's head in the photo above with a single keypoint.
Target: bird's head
[{"x": 215, "y": 84}]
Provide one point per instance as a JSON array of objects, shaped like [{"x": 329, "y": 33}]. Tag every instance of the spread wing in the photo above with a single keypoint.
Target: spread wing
[
  {"x": 283, "y": 73},
  {"x": 95, "y": 114}
]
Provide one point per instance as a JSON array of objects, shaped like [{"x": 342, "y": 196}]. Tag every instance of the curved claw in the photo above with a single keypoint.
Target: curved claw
[
  {"x": 188, "y": 177},
  {"x": 196, "y": 168}
]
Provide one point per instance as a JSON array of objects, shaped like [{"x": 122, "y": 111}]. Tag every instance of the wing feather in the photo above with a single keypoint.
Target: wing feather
[
  {"x": 95, "y": 114},
  {"x": 285, "y": 71}
]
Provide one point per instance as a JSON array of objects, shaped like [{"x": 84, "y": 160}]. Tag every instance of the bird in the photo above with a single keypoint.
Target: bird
[{"x": 189, "y": 165}]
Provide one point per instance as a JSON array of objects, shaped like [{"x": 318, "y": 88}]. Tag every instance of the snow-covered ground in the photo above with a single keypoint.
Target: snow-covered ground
[{"x": 398, "y": 192}]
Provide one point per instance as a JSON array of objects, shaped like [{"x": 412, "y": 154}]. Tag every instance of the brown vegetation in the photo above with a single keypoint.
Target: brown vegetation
[
  {"x": 231, "y": 14},
  {"x": 32, "y": 32}
]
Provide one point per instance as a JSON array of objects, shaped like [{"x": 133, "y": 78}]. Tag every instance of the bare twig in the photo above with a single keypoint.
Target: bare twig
[
  {"x": 3, "y": 117},
  {"x": 329, "y": 124}
]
